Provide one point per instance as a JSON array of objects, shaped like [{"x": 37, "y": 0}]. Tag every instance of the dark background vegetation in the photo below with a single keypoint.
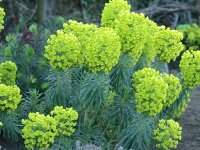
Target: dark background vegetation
[
  {"x": 167, "y": 12},
  {"x": 20, "y": 14}
]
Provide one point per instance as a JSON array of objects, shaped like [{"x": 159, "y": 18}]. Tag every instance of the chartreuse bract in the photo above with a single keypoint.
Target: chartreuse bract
[
  {"x": 190, "y": 68},
  {"x": 8, "y": 71},
  {"x": 63, "y": 50},
  {"x": 40, "y": 131},
  {"x": 65, "y": 119},
  {"x": 167, "y": 134},
  {"x": 10, "y": 95},
  {"x": 154, "y": 91},
  {"x": 111, "y": 11}
]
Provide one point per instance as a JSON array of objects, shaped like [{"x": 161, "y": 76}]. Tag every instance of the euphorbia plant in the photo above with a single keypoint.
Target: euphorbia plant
[{"x": 115, "y": 78}]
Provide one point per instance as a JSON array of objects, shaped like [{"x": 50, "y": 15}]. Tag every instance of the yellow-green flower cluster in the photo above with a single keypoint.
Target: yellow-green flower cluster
[
  {"x": 97, "y": 48},
  {"x": 144, "y": 73},
  {"x": 65, "y": 119},
  {"x": 191, "y": 36},
  {"x": 132, "y": 29},
  {"x": 149, "y": 51},
  {"x": 8, "y": 71},
  {"x": 150, "y": 95},
  {"x": 39, "y": 131},
  {"x": 174, "y": 88},
  {"x": 153, "y": 91},
  {"x": 9, "y": 98},
  {"x": 103, "y": 51},
  {"x": 168, "y": 43},
  {"x": 167, "y": 134},
  {"x": 81, "y": 31},
  {"x": 2, "y": 14},
  {"x": 190, "y": 68},
  {"x": 63, "y": 50},
  {"x": 111, "y": 11}
]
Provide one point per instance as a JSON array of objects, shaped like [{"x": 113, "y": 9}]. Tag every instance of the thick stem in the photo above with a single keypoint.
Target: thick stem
[{"x": 41, "y": 10}]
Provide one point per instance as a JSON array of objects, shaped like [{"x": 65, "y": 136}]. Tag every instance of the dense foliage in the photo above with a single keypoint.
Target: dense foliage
[
  {"x": 191, "y": 36},
  {"x": 103, "y": 85}
]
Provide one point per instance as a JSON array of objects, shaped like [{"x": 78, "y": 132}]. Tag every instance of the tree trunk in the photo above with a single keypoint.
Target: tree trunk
[{"x": 41, "y": 10}]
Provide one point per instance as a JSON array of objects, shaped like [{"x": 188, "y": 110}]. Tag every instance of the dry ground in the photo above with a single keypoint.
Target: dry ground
[{"x": 191, "y": 124}]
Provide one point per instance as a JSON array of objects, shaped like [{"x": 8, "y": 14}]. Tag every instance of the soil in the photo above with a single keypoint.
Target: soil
[{"x": 190, "y": 123}]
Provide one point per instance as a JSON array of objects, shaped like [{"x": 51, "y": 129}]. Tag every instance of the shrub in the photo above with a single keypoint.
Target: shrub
[{"x": 112, "y": 75}]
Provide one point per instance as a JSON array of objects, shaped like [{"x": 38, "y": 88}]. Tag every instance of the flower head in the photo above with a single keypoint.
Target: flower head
[
  {"x": 190, "y": 68},
  {"x": 111, "y": 11},
  {"x": 63, "y": 50},
  {"x": 167, "y": 134}
]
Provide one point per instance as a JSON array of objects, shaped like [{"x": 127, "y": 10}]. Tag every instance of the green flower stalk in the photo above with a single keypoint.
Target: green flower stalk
[
  {"x": 103, "y": 51},
  {"x": 111, "y": 11},
  {"x": 182, "y": 106},
  {"x": 168, "y": 43},
  {"x": 63, "y": 50},
  {"x": 39, "y": 131},
  {"x": 10, "y": 97},
  {"x": 167, "y": 134},
  {"x": 190, "y": 68},
  {"x": 8, "y": 71},
  {"x": 132, "y": 30},
  {"x": 65, "y": 119}
]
